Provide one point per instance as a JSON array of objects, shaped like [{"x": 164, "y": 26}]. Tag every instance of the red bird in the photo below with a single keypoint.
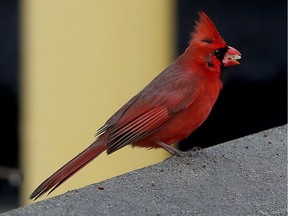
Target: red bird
[{"x": 168, "y": 109}]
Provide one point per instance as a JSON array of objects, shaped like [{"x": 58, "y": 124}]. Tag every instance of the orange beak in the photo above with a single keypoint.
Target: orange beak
[{"x": 231, "y": 57}]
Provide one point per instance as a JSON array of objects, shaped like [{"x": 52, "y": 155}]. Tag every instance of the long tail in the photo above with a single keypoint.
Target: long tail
[{"x": 69, "y": 169}]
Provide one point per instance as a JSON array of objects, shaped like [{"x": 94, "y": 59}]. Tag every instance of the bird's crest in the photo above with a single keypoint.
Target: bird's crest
[{"x": 205, "y": 31}]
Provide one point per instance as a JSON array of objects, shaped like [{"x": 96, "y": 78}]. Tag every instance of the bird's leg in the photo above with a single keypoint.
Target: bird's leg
[
  {"x": 194, "y": 149},
  {"x": 173, "y": 150}
]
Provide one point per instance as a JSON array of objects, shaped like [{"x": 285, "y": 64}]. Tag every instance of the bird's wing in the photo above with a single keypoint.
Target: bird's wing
[
  {"x": 141, "y": 118},
  {"x": 138, "y": 125}
]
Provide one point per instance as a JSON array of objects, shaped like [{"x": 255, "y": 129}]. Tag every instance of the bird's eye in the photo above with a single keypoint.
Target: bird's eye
[
  {"x": 217, "y": 52},
  {"x": 220, "y": 52}
]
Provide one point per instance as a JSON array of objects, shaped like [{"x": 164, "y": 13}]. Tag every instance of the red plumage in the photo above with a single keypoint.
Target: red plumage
[{"x": 168, "y": 109}]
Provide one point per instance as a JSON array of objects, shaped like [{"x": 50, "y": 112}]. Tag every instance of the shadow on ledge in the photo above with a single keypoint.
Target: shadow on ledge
[{"x": 246, "y": 176}]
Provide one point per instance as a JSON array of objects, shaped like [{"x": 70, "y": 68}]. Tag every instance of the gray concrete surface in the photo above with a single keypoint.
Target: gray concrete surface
[{"x": 246, "y": 176}]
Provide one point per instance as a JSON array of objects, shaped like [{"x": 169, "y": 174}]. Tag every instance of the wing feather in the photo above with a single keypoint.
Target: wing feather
[
  {"x": 148, "y": 111},
  {"x": 141, "y": 125}
]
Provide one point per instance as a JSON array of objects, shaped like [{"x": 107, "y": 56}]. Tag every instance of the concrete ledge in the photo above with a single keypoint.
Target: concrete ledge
[{"x": 246, "y": 176}]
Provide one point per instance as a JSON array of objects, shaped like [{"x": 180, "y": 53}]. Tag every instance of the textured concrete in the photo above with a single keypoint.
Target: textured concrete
[{"x": 246, "y": 176}]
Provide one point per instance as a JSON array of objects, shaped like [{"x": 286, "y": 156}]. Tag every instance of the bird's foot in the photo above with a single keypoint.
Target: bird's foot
[
  {"x": 194, "y": 149},
  {"x": 173, "y": 150}
]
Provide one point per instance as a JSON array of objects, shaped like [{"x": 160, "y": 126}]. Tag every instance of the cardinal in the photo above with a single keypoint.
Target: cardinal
[{"x": 168, "y": 109}]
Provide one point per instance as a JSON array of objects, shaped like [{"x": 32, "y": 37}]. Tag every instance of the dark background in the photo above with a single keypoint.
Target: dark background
[
  {"x": 9, "y": 92},
  {"x": 254, "y": 96}
]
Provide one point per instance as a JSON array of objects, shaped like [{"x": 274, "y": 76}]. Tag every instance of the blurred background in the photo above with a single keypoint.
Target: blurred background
[{"x": 67, "y": 66}]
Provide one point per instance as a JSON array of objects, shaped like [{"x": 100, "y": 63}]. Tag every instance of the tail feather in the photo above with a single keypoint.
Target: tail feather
[{"x": 69, "y": 169}]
